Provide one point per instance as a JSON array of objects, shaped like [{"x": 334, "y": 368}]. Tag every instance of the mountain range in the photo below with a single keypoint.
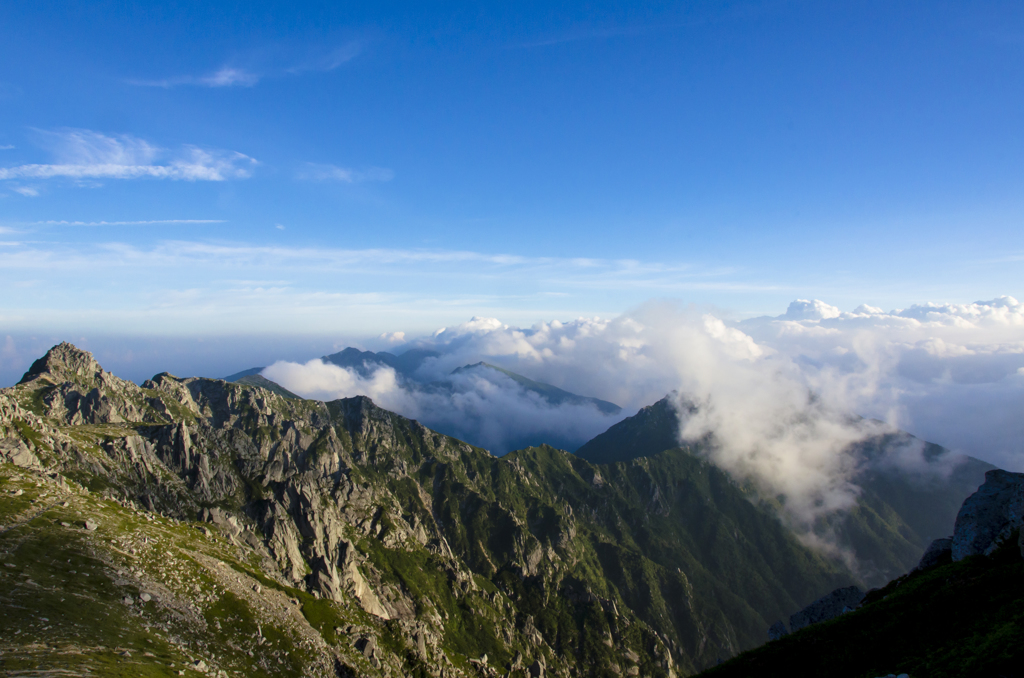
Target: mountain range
[
  {"x": 208, "y": 527},
  {"x": 467, "y": 379}
]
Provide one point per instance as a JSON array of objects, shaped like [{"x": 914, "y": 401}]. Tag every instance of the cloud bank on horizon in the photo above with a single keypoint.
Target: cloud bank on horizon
[
  {"x": 777, "y": 393},
  {"x": 483, "y": 407}
]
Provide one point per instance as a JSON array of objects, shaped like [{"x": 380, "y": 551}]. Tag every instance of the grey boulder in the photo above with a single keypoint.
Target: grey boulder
[
  {"x": 16, "y": 452},
  {"x": 827, "y": 607},
  {"x": 990, "y": 515}
]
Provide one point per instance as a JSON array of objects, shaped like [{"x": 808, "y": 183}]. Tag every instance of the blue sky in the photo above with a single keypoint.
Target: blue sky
[{"x": 214, "y": 170}]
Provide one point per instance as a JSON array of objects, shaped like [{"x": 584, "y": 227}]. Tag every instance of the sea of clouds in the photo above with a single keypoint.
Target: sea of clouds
[{"x": 779, "y": 396}]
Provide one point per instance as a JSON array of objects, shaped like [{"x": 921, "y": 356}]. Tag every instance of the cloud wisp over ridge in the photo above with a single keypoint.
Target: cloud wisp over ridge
[
  {"x": 463, "y": 403},
  {"x": 86, "y": 154},
  {"x": 773, "y": 399}
]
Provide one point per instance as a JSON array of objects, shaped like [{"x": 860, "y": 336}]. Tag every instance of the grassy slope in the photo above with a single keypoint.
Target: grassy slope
[
  {"x": 629, "y": 556},
  {"x": 675, "y": 539},
  {"x": 63, "y": 590},
  {"x": 953, "y": 620}
]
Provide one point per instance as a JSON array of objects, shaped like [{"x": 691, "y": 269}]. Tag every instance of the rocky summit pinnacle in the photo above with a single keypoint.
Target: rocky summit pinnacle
[{"x": 64, "y": 362}]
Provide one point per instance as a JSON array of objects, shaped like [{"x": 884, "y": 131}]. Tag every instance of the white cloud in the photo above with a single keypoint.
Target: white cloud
[
  {"x": 225, "y": 76},
  {"x": 945, "y": 372},
  {"x": 802, "y": 309},
  {"x": 488, "y": 409},
  {"x": 327, "y": 61},
  {"x": 318, "y": 172},
  {"x": 236, "y": 76},
  {"x": 777, "y": 396},
  {"x": 85, "y": 154},
  {"x": 229, "y": 77},
  {"x": 26, "y": 191},
  {"x": 6, "y": 147}
]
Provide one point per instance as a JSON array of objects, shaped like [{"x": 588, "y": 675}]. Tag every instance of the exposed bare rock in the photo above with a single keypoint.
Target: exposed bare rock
[
  {"x": 15, "y": 451},
  {"x": 935, "y": 551},
  {"x": 777, "y": 630},
  {"x": 990, "y": 515},
  {"x": 827, "y": 607}
]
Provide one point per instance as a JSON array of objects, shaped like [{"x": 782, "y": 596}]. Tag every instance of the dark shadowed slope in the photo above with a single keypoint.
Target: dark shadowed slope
[
  {"x": 959, "y": 613},
  {"x": 651, "y": 430}
]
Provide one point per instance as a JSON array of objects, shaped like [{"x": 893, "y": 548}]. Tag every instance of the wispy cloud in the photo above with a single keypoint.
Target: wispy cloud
[
  {"x": 226, "y": 76},
  {"x": 6, "y": 147},
  {"x": 85, "y": 154},
  {"x": 328, "y": 61},
  {"x": 319, "y": 172},
  {"x": 235, "y": 76},
  {"x": 554, "y": 272},
  {"x": 26, "y": 191}
]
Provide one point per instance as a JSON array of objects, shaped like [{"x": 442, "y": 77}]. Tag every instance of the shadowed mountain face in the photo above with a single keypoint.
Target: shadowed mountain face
[
  {"x": 960, "y": 612},
  {"x": 898, "y": 513},
  {"x": 653, "y": 429},
  {"x": 280, "y": 536}
]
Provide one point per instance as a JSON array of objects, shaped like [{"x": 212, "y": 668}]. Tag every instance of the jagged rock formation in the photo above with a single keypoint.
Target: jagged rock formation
[
  {"x": 827, "y": 607},
  {"x": 426, "y": 552},
  {"x": 371, "y": 545},
  {"x": 990, "y": 515},
  {"x": 936, "y": 551}
]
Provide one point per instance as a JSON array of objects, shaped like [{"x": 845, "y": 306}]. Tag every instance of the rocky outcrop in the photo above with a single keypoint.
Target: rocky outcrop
[
  {"x": 989, "y": 516},
  {"x": 16, "y": 452},
  {"x": 936, "y": 551},
  {"x": 777, "y": 630},
  {"x": 435, "y": 543},
  {"x": 827, "y": 607}
]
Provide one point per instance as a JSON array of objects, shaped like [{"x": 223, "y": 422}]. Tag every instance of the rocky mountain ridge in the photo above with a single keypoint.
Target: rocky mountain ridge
[
  {"x": 398, "y": 550},
  {"x": 897, "y": 515}
]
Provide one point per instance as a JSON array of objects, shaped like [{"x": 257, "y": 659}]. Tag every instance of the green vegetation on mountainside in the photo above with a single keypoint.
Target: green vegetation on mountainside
[
  {"x": 899, "y": 511},
  {"x": 950, "y": 621},
  {"x": 403, "y": 551},
  {"x": 141, "y": 594}
]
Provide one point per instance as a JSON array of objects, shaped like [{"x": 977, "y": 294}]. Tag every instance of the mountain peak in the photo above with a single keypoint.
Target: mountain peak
[{"x": 64, "y": 362}]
